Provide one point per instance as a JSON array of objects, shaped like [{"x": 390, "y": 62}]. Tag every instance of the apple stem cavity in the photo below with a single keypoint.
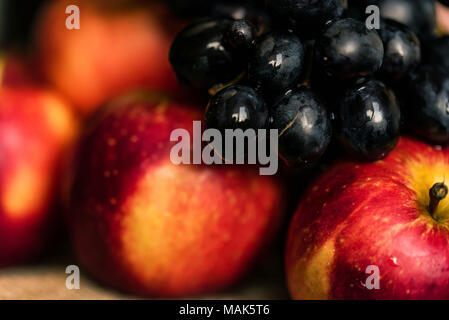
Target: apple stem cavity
[{"x": 437, "y": 193}]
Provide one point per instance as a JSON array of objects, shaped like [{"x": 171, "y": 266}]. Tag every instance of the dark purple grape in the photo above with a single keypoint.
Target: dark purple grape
[
  {"x": 240, "y": 36},
  {"x": 237, "y": 107},
  {"x": 200, "y": 58},
  {"x": 347, "y": 49},
  {"x": 305, "y": 16},
  {"x": 427, "y": 106},
  {"x": 369, "y": 120},
  {"x": 418, "y": 15},
  {"x": 304, "y": 126},
  {"x": 277, "y": 62},
  {"x": 242, "y": 11},
  {"x": 402, "y": 50}
]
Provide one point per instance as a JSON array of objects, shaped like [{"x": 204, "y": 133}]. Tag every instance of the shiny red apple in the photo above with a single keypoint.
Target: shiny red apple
[
  {"x": 144, "y": 225},
  {"x": 378, "y": 214},
  {"x": 36, "y": 128}
]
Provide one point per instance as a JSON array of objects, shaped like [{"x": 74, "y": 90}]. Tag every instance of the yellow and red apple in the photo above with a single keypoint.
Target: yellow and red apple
[
  {"x": 116, "y": 49},
  {"x": 144, "y": 225},
  {"x": 374, "y": 214},
  {"x": 36, "y": 127}
]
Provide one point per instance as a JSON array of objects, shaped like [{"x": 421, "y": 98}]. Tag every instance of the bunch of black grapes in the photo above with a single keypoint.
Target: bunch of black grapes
[{"x": 315, "y": 70}]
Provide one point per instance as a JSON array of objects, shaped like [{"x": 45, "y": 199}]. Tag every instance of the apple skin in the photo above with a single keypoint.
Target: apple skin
[
  {"x": 361, "y": 214},
  {"x": 36, "y": 128},
  {"x": 146, "y": 226},
  {"x": 116, "y": 49}
]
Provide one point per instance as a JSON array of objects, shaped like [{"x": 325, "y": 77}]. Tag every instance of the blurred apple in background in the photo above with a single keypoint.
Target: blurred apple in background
[
  {"x": 18, "y": 70},
  {"x": 443, "y": 17},
  {"x": 36, "y": 128},
  {"x": 119, "y": 46},
  {"x": 374, "y": 214},
  {"x": 146, "y": 226}
]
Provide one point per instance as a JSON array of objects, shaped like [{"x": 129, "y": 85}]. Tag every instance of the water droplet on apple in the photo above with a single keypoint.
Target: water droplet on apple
[{"x": 394, "y": 261}]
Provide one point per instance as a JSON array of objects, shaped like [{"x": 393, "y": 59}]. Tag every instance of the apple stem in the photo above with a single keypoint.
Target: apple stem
[{"x": 437, "y": 193}]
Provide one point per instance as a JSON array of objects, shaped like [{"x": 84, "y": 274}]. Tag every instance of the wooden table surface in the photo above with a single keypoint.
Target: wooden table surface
[{"x": 46, "y": 280}]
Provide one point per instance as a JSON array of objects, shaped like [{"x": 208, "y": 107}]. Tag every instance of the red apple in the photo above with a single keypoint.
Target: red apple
[
  {"x": 17, "y": 70},
  {"x": 143, "y": 225},
  {"x": 35, "y": 129},
  {"x": 373, "y": 214},
  {"x": 115, "y": 50}
]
